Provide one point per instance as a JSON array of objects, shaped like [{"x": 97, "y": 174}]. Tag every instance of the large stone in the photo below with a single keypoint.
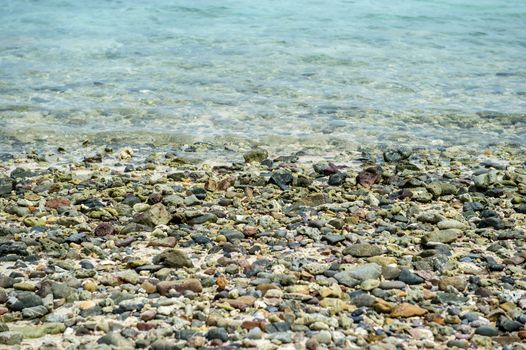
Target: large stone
[
  {"x": 363, "y": 250},
  {"x": 156, "y": 214},
  {"x": 173, "y": 258},
  {"x": 408, "y": 310},
  {"x": 361, "y": 272},
  {"x": 442, "y": 236},
  {"x": 255, "y": 155},
  {"x": 23, "y": 300}
]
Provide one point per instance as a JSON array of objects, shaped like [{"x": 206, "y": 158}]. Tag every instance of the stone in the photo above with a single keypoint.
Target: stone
[
  {"x": 363, "y": 250},
  {"x": 256, "y": 155},
  {"x": 364, "y": 272},
  {"x": 368, "y": 177},
  {"x": 23, "y": 300},
  {"x": 217, "y": 333},
  {"x": 442, "y": 236},
  {"x": 117, "y": 340},
  {"x": 337, "y": 179},
  {"x": 242, "y": 302},
  {"x": 192, "y": 284},
  {"x": 34, "y": 312},
  {"x": 104, "y": 229},
  {"x": 408, "y": 310},
  {"x": 451, "y": 224},
  {"x": 156, "y": 214},
  {"x": 6, "y": 186},
  {"x": 10, "y": 338},
  {"x": 173, "y": 258},
  {"x": 255, "y": 333},
  {"x": 460, "y": 283},
  {"x": 487, "y": 331}
]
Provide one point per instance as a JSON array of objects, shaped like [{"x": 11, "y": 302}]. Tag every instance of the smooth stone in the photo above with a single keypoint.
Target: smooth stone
[
  {"x": 363, "y": 250},
  {"x": 487, "y": 331},
  {"x": 34, "y": 312},
  {"x": 450, "y": 224},
  {"x": 409, "y": 277},
  {"x": 255, "y": 333},
  {"x": 392, "y": 285},
  {"x": 408, "y": 310},
  {"x": 364, "y": 272},
  {"x": 442, "y": 236}
]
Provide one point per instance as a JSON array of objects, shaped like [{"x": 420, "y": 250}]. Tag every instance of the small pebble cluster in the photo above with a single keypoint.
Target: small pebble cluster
[{"x": 380, "y": 248}]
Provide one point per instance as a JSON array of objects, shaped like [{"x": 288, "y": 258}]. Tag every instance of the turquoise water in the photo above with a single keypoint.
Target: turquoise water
[{"x": 422, "y": 72}]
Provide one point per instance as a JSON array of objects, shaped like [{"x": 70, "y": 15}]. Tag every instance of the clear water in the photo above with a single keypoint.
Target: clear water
[{"x": 375, "y": 71}]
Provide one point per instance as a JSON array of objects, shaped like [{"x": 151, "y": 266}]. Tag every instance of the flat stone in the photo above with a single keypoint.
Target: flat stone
[
  {"x": 487, "y": 331},
  {"x": 442, "y": 236},
  {"x": 34, "y": 312},
  {"x": 242, "y": 302},
  {"x": 363, "y": 250},
  {"x": 408, "y": 310},
  {"x": 365, "y": 271}
]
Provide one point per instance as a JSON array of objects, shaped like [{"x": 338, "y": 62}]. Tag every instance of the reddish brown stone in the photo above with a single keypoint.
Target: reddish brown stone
[
  {"x": 57, "y": 202},
  {"x": 248, "y": 325},
  {"x": 145, "y": 326},
  {"x": 368, "y": 177},
  {"x": 104, "y": 229}
]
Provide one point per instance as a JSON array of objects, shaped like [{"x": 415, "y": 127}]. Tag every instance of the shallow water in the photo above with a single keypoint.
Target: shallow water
[{"x": 415, "y": 72}]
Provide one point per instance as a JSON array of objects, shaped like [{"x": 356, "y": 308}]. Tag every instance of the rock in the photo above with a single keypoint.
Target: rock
[
  {"x": 116, "y": 340},
  {"x": 255, "y": 333},
  {"x": 409, "y": 277},
  {"x": 242, "y": 302},
  {"x": 104, "y": 229},
  {"x": 442, "y": 236},
  {"x": 156, "y": 214},
  {"x": 407, "y": 310},
  {"x": 487, "y": 331},
  {"x": 362, "y": 250},
  {"x": 450, "y": 224},
  {"x": 255, "y": 155},
  {"x": 23, "y": 300},
  {"x": 281, "y": 179},
  {"x": 510, "y": 325},
  {"x": 393, "y": 155},
  {"x": 337, "y": 179},
  {"x": 217, "y": 333},
  {"x": 368, "y": 177},
  {"x": 363, "y": 272},
  {"x": 392, "y": 285},
  {"x": 458, "y": 343},
  {"x": 173, "y": 258},
  {"x": 10, "y": 338},
  {"x": 192, "y": 284},
  {"x": 460, "y": 283},
  {"x": 6, "y": 186},
  {"x": 34, "y": 312}
]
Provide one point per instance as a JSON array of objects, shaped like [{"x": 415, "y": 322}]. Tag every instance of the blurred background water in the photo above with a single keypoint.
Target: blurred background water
[{"x": 431, "y": 72}]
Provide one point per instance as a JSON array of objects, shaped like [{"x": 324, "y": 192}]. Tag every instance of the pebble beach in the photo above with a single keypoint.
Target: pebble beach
[{"x": 377, "y": 248}]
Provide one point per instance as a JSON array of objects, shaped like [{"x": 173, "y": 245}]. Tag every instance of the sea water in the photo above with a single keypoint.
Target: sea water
[{"x": 433, "y": 72}]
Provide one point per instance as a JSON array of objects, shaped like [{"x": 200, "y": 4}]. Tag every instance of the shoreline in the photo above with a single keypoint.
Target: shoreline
[{"x": 228, "y": 245}]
